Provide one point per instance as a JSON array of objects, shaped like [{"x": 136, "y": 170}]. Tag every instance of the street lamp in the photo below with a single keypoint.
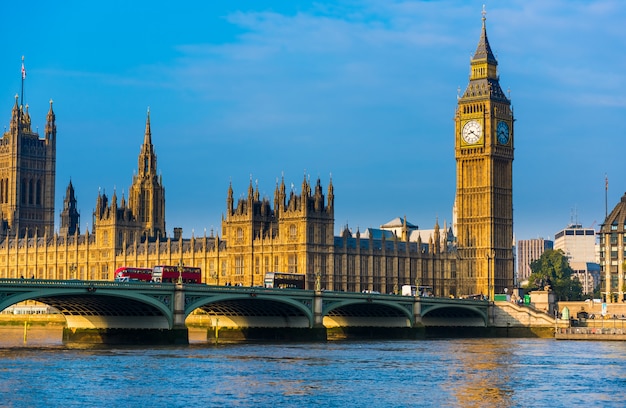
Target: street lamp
[
  {"x": 180, "y": 272},
  {"x": 490, "y": 255}
]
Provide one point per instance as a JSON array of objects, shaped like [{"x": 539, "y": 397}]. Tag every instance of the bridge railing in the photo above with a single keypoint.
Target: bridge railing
[{"x": 80, "y": 283}]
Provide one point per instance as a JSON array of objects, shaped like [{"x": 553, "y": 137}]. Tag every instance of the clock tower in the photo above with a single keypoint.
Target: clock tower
[{"x": 484, "y": 186}]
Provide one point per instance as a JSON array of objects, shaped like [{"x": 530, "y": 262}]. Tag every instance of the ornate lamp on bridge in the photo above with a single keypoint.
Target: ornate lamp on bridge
[
  {"x": 180, "y": 272},
  {"x": 490, "y": 255},
  {"x": 72, "y": 269}
]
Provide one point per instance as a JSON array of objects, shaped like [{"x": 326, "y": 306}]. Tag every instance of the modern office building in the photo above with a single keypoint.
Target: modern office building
[
  {"x": 579, "y": 246},
  {"x": 577, "y": 243},
  {"x": 529, "y": 250}
]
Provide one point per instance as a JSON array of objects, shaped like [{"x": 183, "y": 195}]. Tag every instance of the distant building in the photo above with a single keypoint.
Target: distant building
[
  {"x": 406, "y": 231},
  {"x": 588, "y": 273},
  {"x": 579, "y": 246},
  {"x": 612, "y": 241},
  {"x": 529, "y": 250},
  {"x": 577, "y": 243}
]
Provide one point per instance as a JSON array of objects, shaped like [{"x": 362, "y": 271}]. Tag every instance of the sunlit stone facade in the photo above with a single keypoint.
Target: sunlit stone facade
[{"x": 294, "y": 230}]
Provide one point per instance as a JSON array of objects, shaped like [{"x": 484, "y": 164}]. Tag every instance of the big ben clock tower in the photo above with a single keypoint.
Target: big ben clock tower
[{"x": 484, "y": 186}]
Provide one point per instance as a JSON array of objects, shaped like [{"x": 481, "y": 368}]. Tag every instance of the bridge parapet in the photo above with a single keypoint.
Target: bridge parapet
[{"x": 104, "y": 305}]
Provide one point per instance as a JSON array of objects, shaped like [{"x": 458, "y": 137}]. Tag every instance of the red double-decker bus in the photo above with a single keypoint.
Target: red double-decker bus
[
  {"x": 129, "y": 273},
  {"x": 168, "y": 273}
]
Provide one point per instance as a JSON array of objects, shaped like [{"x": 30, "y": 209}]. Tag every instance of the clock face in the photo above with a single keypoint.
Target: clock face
[
  {"x": 503, "y": 133},
  {"x": 472, "y": 132}
]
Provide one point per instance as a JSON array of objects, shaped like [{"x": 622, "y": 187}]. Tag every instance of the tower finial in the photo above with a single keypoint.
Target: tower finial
[{"x": 484, "y": 13}]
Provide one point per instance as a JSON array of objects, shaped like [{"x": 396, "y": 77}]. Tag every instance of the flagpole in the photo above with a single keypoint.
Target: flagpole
[{"x": 23, "y": 78}]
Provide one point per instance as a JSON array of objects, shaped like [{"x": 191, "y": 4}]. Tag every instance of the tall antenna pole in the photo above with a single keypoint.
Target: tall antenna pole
[{"x": 606, "y": 194}]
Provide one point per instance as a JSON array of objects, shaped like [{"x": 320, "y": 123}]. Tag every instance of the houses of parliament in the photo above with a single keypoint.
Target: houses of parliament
[{"x": 290, "y": 233}]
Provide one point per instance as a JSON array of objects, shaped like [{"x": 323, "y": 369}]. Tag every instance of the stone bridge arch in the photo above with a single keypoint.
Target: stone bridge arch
[
  {"x": 252, "y": 309},
  {"x": 91, "y": 306},
  {"x": 359, "y": 312},
  {"x": 461, "y": 315}
]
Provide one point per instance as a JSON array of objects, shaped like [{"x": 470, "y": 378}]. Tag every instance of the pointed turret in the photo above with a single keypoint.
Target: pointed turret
[
  {"x": 437, "y": 237},
  {"x": 51, "y": 127},
  {"x": 484, "y": 79},
  {"x": 483, "y": 50},
  {"x": 147, "y": 158},
  {"x": 70, "y": 218},
  {"x": 147, "y": 138},
  {"x": 15, "y": 116},
  {"x": 229, "y": 200},
  {"x": 331, "y": 195}
]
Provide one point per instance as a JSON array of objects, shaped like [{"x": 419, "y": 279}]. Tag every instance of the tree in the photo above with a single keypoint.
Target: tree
[{"x": 552, "y": 269}]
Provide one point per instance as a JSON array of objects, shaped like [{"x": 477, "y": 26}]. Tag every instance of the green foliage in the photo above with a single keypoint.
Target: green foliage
[{"x": 552, "y": 269}]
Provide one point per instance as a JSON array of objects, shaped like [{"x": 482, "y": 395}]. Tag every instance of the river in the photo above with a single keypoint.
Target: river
[{"x": 424, "y": 373}]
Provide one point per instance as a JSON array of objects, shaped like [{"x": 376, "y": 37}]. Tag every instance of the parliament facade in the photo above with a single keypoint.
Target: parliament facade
[{"x": 293, "y": 232}]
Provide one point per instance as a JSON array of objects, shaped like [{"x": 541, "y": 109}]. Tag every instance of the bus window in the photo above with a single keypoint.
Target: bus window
[{"x": 284, "y": 280}]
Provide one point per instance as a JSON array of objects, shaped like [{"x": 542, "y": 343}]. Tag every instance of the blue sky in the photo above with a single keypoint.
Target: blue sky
[{"x": 364, "y": 91}]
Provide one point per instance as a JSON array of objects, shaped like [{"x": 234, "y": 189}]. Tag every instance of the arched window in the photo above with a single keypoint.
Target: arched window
[
  {"x": 31, "y": 193},
  {"x": 23, "y": 191},
  {"x": 293, "y": 231},
  {"x": 38, "y": 192}
]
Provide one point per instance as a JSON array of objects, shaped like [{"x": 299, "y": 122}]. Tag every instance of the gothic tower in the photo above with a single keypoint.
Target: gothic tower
[
  {"x": 146, "y": 197},
  {"x": 27, "y": 175},
  {"x": 70, "y": 218},
  {"x": 484, "y": 188}
]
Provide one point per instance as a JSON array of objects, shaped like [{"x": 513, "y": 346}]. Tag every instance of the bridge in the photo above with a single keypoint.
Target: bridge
[{"x": 136, "y": 312}]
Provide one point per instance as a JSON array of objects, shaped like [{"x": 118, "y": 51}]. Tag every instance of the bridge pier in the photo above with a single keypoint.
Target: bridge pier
[
  {"x": 125, "y": 336},
  {"x": 318, "y": 317},
  {"x": 417, "y": 313},
  {"x": 179, "y": 332}
]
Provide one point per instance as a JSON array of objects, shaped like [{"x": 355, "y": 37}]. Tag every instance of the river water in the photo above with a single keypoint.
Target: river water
[{"x": 424, "y": 373}]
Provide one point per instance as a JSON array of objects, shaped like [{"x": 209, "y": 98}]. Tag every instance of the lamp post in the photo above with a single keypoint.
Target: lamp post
[
  {"x": 180, "y": 272},
  {"x": 490, "y": 255},
  {"x": 72, "y": 270}
]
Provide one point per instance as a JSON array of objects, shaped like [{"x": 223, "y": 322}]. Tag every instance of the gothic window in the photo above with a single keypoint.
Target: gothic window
[
  {"x": 293, "y": 231},
  {"x": 23, "y": 192},
  {"x": 38, "y": 191},
  {"x": 292, "y": 266},
  {"x": 239, "y": 235},
  {"x": 239, "y": 265},
  {"x": 30, "y": 192}
]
